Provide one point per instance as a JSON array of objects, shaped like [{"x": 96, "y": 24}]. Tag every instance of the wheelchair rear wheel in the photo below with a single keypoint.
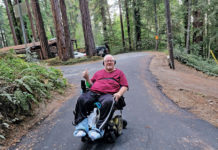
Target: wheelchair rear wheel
[
  {"x": 124, "y": 124},
  {"x": 118, "y": 121}
]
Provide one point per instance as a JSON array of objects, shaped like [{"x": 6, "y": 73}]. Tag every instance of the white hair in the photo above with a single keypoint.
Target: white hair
[{"x": 108, "y": 55}]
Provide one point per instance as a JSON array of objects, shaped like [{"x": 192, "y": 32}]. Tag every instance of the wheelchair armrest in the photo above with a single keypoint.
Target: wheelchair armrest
[
  {"x": 120, "y": 103},
  {"x": 83, "y": 86}
]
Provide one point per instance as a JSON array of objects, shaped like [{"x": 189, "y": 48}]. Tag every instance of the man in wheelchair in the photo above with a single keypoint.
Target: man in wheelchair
[{"x": 107, "y": 87}]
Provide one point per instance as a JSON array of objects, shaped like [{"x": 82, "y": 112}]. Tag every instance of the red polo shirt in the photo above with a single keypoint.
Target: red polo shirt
[{"x": 108, "y": 82}]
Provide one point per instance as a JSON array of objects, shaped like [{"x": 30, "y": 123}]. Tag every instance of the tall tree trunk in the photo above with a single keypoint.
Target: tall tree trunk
[
  {"x": 121, "y": 25},
  {"x": 31, "y": 20},
  {"x": 49, "y": 15},
  {"x": 104, "y": 20},
  {"x": 185, "y": 3},
  {"x": 169, "y": 32},
  {"x": 137, "y": 22},
  {"x": 40, "y": 29},
  {"x": 69, "y": 47},
  {"x": 156, "y": 25},
  {"x": 128, "y": 23},
  {"x": 2, "y": 37},
  {"x": 24, "y": 33},
  {"x": 6, "y": 41},
  {"x": 188, "y": 28},
  {"x": 52, "y": 32},
  {"x": 110, "y": 25},
  {"x": 72, "y": 26},
  {"x": 11, "y": 23},
  {"x": 59, "y": 30},
  {"x": 198, "y": 25},
  {"x": 87, "y": 28},
  {"x": 5, "y": 38},
  {"x": 16, "y": 25}
]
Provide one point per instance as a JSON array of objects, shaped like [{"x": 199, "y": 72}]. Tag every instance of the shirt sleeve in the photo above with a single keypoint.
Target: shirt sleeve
[
  {"x": 94, "y": 78},
  {"x": 123, "y": 80}
]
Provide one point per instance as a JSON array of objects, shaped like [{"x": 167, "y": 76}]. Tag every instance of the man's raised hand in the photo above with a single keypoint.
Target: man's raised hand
[{"x": 86, "y": 74}]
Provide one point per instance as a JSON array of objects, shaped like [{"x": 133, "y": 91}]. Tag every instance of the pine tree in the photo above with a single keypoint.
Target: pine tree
[
  {"x": 40, "y": 29},
  {"x": 87, "y": 28},
  {"x": 11, "y": 23}
]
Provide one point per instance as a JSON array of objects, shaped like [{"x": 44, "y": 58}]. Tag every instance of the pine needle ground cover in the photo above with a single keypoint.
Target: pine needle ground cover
[{"x": 23, "y": 85}]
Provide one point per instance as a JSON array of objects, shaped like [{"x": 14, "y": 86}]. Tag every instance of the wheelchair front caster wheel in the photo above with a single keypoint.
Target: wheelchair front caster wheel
[
  {"x": 86, "y": 139},
  {"x": 111, "y": 137},
  {"x": 124, "y": 124}
]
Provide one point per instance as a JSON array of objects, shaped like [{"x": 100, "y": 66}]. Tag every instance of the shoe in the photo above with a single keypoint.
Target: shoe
[
  {"x": 95, "y": 134},
  {"x": 81, "y": 129},
  {"x": 79, "y": 133}
]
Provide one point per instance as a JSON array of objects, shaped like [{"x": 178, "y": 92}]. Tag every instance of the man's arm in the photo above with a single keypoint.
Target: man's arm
[
  {"x": 122, "y": 90},
  {"x": 86, "y": 77}
]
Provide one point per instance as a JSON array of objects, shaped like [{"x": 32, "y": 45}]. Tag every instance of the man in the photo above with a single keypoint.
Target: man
[{"x": 107, "y": 85}]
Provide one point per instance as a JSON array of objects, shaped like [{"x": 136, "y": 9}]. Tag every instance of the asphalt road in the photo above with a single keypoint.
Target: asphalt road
[{"x": 154, "y": 122}]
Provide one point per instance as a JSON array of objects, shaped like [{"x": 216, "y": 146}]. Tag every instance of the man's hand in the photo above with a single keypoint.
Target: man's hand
[
  {"x": 117, "y": 96},
  {"x": 86, "y": 74}
]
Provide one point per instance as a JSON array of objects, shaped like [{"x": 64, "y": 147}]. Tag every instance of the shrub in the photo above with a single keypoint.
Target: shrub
[
  {"x": 207, "y": 66},
  {"x": 23, "y": 84}
]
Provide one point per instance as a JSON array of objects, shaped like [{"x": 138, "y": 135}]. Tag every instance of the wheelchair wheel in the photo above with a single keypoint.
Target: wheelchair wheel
[
  {"x": 124, "y": 124},
  {"x": 118, "y": 121},
  {"x": 111, "y": 137},
  {"x": 86, "y": 139}
]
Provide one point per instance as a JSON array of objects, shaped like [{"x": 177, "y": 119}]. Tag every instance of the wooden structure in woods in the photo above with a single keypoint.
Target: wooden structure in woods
[{"x": 36, "y": 47}]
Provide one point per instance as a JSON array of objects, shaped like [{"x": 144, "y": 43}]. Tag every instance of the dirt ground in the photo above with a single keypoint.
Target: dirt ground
[{"x": 189, "y": 89}]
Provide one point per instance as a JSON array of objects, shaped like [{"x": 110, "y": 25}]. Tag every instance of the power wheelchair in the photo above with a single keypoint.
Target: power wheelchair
[{"x": 115, "y": 123}]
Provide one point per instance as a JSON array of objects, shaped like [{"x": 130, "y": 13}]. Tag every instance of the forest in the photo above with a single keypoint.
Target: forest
[{"x": 125, "y": 25}]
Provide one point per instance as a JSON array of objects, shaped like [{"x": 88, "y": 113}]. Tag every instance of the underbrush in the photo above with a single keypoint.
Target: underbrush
[
  {"x": 56, "y": 61},
  {"x": 23, "y": 85},
  {"x": 207, "y": 66}
]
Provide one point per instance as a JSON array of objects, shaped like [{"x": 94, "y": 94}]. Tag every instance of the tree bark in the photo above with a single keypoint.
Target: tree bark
[
  {"x": 14, "y": 20},
  {"x": 11, "y": 23},
  {"x": 169, "y": 32},
  {"x": 87, "y": 28},
  {"x": 51, "y": 30},
  {"x": 137, "y": 22},
  {"x": 185, "y": 3},
  {"x": 40, "y": 29},
  {"x": 156, "y": 25},
  {"x": 31, "y": 20},
  {"x": 188, "y": 28},
  {"x": 69, "y": 47},
  {"x": 110, "y": 25},
  {"x": 59, "y": 30},
  {"x": 22, "y": 24},
  {"x": 121, "y": 25},
  {"x": 2, "y": 37},
  {"x": 104, "y": 20},
  {"x": 128, "y": 24},
  {"x": 198, "y": 25}
]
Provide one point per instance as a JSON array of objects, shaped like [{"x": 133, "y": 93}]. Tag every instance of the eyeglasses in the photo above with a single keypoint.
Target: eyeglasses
[{"x": 107, "y": 61}]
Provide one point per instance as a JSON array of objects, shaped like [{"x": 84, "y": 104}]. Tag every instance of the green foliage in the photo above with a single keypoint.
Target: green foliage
[
  {"x": 23, "y": 84},
  {"x": 207, "y": 66}
]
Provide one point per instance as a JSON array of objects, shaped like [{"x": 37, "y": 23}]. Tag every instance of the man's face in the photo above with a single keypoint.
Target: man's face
[{"x": 109, "y": 64}]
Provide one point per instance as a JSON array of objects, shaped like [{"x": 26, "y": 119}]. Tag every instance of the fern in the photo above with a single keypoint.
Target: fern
[
  {"x": 207, "y": 66},
  {"x": 8, "y": 96},
  {"x": 22, "y": 84}
]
